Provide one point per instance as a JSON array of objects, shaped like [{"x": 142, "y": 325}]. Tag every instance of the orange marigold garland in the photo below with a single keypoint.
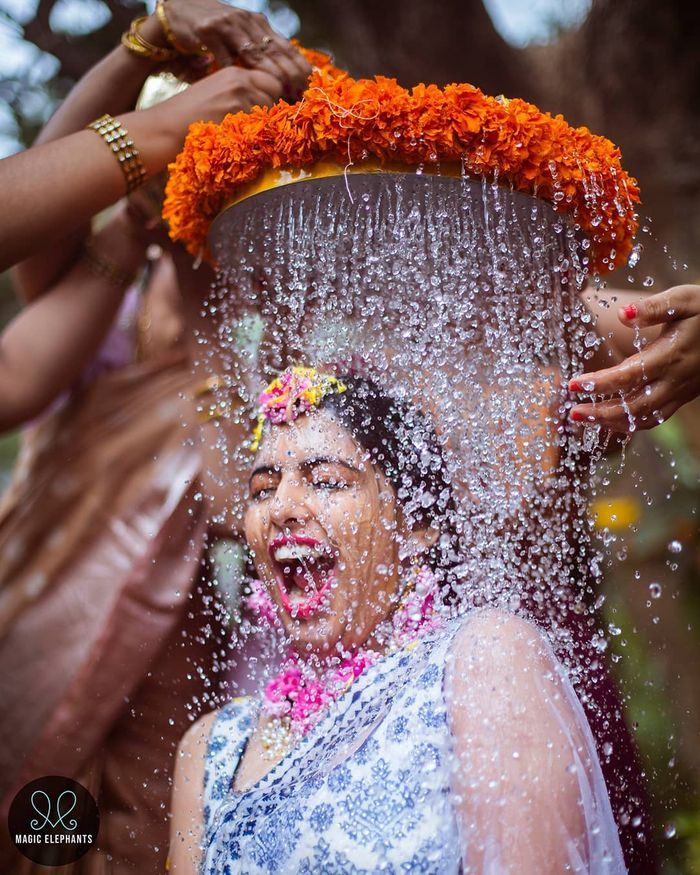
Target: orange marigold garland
[{"x": 348, "y": 120}]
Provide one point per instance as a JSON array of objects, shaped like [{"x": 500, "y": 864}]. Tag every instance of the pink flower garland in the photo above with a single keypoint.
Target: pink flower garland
[{"x": 301, "y": 693}]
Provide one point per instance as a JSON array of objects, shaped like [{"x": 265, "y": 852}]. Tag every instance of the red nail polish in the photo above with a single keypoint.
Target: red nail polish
[
  {"x": 575, "y": 386},
  {"x": 630, "y": 311},
  {"x": 576, "y": 416}
]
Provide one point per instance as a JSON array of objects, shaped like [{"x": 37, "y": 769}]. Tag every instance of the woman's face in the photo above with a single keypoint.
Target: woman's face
[{"x": 324, "y": 528}]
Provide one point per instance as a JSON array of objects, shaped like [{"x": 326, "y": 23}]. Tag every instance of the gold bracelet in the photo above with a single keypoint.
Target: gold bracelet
[
  {"x": 209, "y": 412},
  {"x": 169, "y": 33},
  {"x": 167, "y": 29},
  {"x": 211, "y": 384},
  {"x": 121, "y": 144},
  {"x": 106, "y": 268},
  {"x": 134, "y": 42}
]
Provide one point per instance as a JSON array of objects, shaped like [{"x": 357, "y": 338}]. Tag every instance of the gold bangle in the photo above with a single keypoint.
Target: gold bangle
[
  {"x": 169, "y": 33},
  {"x": 106, "y": 268},
  {"x": 134, "y": 42},
  {"x": 210, "y": 412},
  {"x": 121, "y": 144},
  {"x": 214, "y": 408}
]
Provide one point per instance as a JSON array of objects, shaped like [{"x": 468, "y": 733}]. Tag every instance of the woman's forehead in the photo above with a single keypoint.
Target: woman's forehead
[{"x": 311, "y": 436}]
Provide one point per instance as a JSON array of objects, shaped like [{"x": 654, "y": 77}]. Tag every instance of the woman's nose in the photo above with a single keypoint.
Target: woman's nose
[{"x": 289, "y": 502}]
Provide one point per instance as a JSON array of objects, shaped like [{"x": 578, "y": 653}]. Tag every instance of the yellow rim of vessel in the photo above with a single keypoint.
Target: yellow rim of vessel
[{"x": 277, "y": 177}]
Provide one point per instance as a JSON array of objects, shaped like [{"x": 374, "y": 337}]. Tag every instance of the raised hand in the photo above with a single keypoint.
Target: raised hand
[
  {"x": 230, "y": 35},
  {"x": 230, "y": 90},
  {"x": 649, "y": 386}
]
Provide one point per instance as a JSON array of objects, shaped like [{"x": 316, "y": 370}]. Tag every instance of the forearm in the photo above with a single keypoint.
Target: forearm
[
  {"x": 48, "y": 345},
  {"x": 82, "y": 176},
  {"x": 112, "y": 86}
]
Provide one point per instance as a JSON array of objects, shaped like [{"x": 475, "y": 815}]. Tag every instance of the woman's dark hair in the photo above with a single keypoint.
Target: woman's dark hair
[{"x": 402, "y": 441}]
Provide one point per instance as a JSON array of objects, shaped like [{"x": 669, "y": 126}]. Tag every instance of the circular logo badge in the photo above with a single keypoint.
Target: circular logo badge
[{"x": 53, "y": 821}]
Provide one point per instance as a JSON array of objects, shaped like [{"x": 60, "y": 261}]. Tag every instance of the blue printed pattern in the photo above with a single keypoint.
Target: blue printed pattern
[{"x": 366, "y": 790}]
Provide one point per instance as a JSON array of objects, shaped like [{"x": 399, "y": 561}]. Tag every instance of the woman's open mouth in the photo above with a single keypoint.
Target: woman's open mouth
[{"x": 303, "y": 572}]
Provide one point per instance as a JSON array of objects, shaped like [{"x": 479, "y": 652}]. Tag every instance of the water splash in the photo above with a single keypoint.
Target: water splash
[{"x": 461, "y": 296}]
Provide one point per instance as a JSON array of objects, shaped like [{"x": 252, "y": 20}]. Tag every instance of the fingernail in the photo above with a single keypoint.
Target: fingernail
[
  {"x": 576, "y": 416},
  {"x": 630, "y": 311},
  {"x": 575, "y": 386}
]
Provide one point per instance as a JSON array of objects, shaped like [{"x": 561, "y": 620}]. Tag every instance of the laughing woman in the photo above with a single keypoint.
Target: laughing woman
[{"x": 398, "y": 734}]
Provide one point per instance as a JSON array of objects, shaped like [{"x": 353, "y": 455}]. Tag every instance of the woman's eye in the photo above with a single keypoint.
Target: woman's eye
[
  {"x": 330, "y": 484},
  {"x": 261, "y": 492}
]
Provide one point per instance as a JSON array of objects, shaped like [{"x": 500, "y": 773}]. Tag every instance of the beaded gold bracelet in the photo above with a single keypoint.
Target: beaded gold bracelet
[
  {"x": 121, "y": 144},
  {"x": 138, "y": 45}
]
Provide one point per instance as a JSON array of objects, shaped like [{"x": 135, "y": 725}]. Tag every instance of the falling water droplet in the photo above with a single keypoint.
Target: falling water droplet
[{"x": 635, "y": 255}]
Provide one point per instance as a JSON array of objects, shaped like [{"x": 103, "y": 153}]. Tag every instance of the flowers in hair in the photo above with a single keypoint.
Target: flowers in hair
[
  {"x": 296, "y": 391},
  {"x": 347, "y": 120}
]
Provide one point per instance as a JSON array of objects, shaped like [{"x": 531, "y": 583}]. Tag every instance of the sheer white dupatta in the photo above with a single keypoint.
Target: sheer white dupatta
[{"x": 529, "y": 792}]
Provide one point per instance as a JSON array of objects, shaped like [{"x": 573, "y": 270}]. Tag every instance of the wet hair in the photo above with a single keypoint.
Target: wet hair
[{"x": 401, "y": 440}]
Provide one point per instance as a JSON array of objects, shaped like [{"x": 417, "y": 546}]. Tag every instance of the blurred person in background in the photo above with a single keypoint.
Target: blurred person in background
[{"x": 104, "y": 654}]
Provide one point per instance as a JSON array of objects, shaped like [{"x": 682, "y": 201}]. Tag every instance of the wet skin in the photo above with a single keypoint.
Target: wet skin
[{"x": 314, "y": 494}]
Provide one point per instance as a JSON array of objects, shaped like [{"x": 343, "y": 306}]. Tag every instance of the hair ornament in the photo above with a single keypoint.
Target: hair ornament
[{"x": 296, "y": 391}]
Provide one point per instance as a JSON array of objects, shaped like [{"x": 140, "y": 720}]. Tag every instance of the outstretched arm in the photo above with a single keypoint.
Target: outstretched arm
[
  {"x": 48, "y": 345},
  {"x": 76, "y": 176},
  {"x": 113, "y": 85},
  {"x": 531, "y": 796}
]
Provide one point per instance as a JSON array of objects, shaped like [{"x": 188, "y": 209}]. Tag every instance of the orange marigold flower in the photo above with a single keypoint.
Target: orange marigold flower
[{"x": 339, "y": 117}]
